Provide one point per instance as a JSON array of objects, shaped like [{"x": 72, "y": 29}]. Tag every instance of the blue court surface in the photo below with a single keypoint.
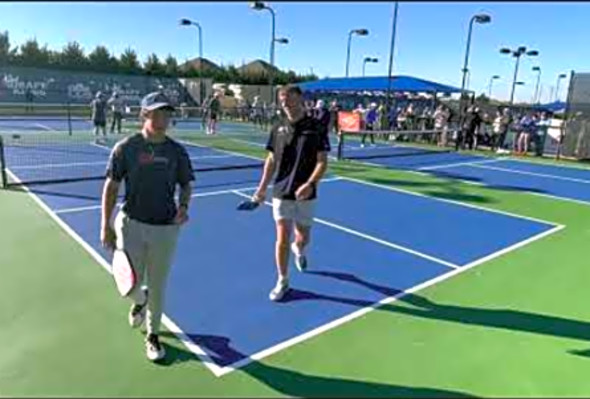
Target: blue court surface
[
  {"x": 560, "y": 182},
  {"x": 217, "y": 299}
]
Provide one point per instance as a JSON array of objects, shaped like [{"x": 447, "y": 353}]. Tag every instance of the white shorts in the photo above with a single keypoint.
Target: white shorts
[{"x": 301, "y": 212}]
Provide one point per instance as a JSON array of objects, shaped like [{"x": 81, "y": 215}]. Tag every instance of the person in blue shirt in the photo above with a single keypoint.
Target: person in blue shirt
[
  {"x": 370, "y": 121},
  {"x": 528, "y": 129}
]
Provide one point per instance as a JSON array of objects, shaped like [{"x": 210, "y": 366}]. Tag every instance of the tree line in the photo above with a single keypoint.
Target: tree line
[{"x": 73, "y": 57}]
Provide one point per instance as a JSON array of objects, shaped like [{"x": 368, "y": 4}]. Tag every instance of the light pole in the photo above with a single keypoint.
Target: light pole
[
  {"x": 536, "y": 95},
  {"x": 359, "y": 32},
  {"x": 258, "y": 6},
  {"x": 495, "y": 77},
  {"x": 188, "y": 22},
  {"x": 368, "y": 59},
  {"x": 480, "y": 19},
  {"x": 559, "y": 77},
  {"x": 517, "y": 53},
  {"x": 392, "y": 47}
]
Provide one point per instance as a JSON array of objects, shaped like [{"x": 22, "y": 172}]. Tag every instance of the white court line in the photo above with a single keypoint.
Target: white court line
[
  {"x": 521, "y": 172},
  {"x": 220, "y": 371},
  {"x": 205, "y": 194},
  {"x": 59, "y": 165},
  {"x": 464, "y": 204},
  {"x": 361, "y": 312},
  {"x": 524, "y": 191},
  {"x": 166, "y": 321},
  {"x": 250, "y": 142},
  {"x": 547, "y": 162},
  {"x": 102, "y": 147},
  {"x": 104, "y": 162},
  {"x": 452, "y": 165},
  {"x": 371, "y": 238},
  {"x": 45, "y": 127}
]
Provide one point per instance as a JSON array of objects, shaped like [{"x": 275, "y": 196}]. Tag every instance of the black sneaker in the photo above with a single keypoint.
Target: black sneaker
[{"x": 153, "y": 349}]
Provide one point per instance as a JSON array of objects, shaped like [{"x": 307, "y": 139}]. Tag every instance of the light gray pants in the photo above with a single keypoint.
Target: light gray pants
[{"x": 150, "y": 249}]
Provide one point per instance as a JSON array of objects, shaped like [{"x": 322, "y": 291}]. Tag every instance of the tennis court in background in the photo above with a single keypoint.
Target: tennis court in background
[{"x": 371, "y": 244}]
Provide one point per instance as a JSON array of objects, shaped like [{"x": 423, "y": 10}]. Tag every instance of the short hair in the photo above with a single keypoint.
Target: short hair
[{"x": 291, "y": 89}]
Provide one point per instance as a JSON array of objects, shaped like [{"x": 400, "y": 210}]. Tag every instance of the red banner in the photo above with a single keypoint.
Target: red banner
[{"x": 349, "y": 121}]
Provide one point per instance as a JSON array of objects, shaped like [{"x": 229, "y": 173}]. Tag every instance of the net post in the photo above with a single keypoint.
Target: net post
[
  {"x": 3, "y": 164},
  {"x": 69, "y": 115},
  {"x": 340, "y": 144}
]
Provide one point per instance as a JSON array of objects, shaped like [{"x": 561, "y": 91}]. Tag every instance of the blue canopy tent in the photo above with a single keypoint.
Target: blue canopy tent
[
  {"x": 377, "y": 84},
  {"x": 555, "y": 107}
]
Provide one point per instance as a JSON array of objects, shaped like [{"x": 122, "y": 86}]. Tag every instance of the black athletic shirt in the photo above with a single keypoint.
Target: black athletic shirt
[{"x": 295, "y": 147}]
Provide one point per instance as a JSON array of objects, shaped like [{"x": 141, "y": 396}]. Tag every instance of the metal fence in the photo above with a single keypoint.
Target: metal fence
[
  {"x": 576, "y": 138},
  {"x": 53, "y": 86}
]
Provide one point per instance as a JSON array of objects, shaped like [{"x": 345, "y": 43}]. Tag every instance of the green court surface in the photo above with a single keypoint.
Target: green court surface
[{"x": 517, "y": 325}]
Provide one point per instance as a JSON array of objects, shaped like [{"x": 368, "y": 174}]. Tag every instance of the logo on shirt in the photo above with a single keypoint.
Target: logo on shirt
[{"x": 146, "y": 158}]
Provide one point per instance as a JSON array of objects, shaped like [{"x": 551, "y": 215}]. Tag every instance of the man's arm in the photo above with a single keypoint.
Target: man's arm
[
  {"x": 307, "y": 189},
  {"x": 109, "y": 199},
  {"x": 268, "y": 172},
  {"x": 320, "y": 168},
  {"x": 185, "y": 195}
]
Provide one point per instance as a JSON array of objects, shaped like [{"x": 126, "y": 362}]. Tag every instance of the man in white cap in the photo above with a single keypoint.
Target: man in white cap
[{"x": 152, "y": 165}]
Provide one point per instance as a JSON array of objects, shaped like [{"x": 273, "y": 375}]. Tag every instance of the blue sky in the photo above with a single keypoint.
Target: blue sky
[{"x": 430, "y": 43}]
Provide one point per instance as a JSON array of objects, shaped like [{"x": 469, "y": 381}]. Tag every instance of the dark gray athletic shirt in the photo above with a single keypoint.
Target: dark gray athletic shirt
[{"x": 151, "y": 172}]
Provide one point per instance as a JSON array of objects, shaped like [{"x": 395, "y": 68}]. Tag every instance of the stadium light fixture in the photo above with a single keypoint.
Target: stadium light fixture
[
  {"x": 517, "y": 53},
  {"x": 259, "y": 6},
  {"x": 480, "y": 19},
  {"x": 536, "y": 96},
  {"x": 494, "y": 77},
  {"x": 368, "y": 59},
  {"x": 559, "y": 77},
  {"x": 358, "y": 32},
  {"x": 188, "y": 22}
]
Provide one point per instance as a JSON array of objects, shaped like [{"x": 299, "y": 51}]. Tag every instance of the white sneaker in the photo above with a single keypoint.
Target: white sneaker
[
  {"x": 153, "y": 349},
  {"x": 279, "y": 290},
  {"x": 300, "y": 259}
]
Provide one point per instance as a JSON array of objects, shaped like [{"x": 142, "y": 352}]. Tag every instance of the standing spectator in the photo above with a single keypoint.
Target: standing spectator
[
  {"x": 334, "y": 109},
  {"x": 441, "y": 123},
  {"x": 471, "y": 124},
  {"x": 117, "y": 110},
  {"x": 214, "y": 109},
  {"x": 528, "y": 129},
  {"x": 99, "y": 114},
  {"x": 504, "y": 124},
  {"x": 29, "y": 99},
  {"x": 370, "y": 121},
  {"x": 496, "y": 130},
  {"x": 322, "y": 115}
]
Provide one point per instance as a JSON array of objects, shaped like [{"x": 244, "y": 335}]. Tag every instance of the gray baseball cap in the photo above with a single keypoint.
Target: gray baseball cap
[{"x": 156, "y": 100}]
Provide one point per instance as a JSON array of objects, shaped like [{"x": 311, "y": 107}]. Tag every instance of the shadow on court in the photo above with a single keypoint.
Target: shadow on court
[
  {"x": 506, "y": 319},
  {"x": 298, "y": 384}
]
